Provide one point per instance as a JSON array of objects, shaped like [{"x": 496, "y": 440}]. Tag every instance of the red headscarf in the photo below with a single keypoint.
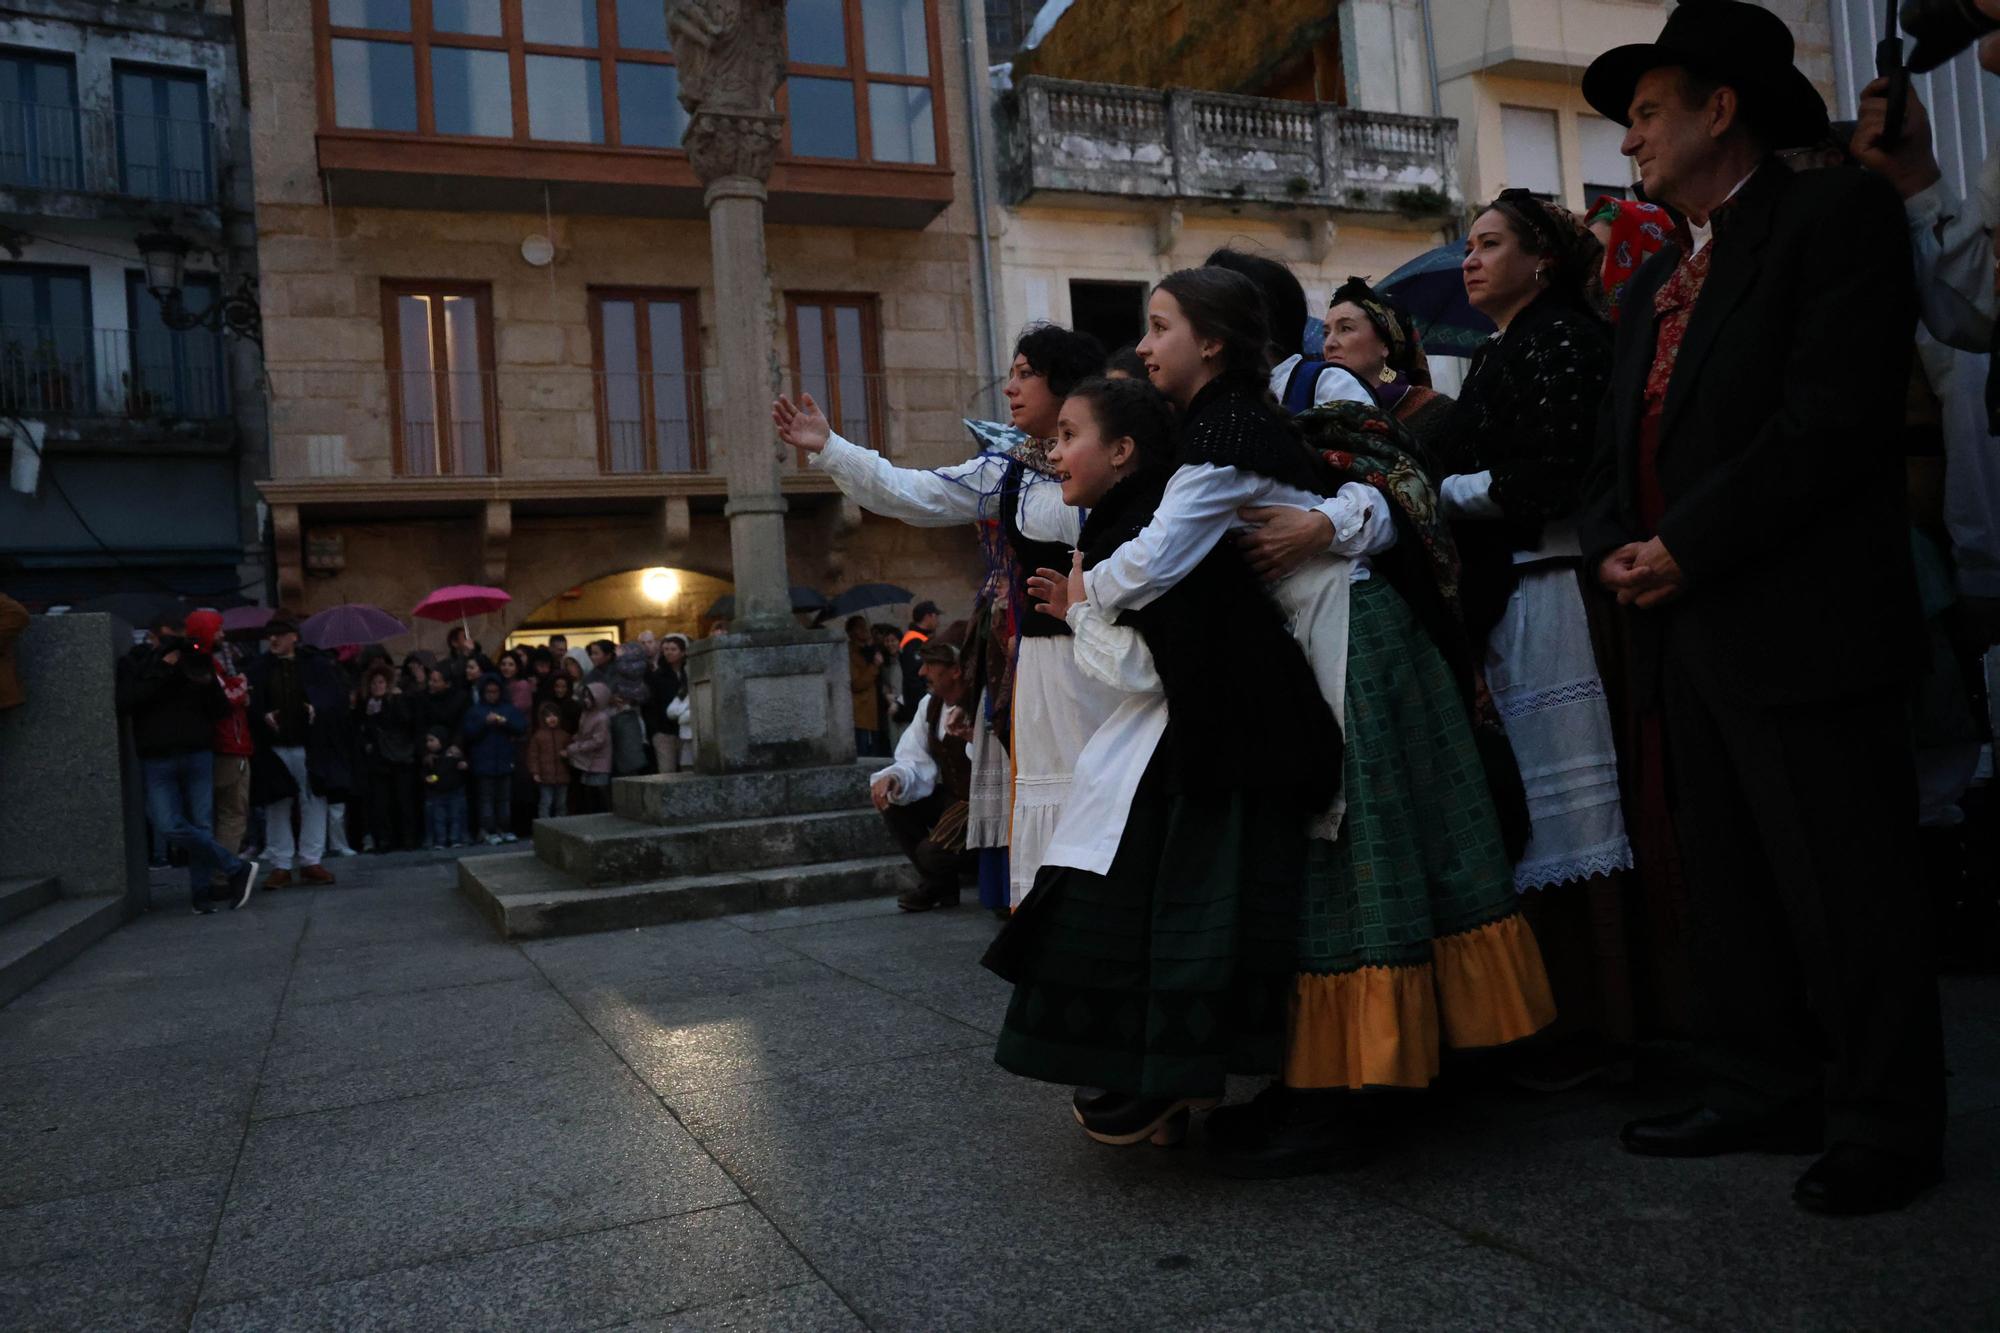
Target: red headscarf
[{"x": 1638, "y": 232}]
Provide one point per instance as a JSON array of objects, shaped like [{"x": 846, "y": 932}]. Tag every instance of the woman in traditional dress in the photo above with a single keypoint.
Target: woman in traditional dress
[
  {"x": 1409, "y": 937},
  {"x": 1513, "y": 457},
  {"x": 1368, "y": 336},
  {"x": 1039, "y": 707},
  {"x": 1154, "y": 955}
]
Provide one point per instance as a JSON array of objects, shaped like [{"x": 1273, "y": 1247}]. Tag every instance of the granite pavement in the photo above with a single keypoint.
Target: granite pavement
[{"x": 354, "y": 1108}]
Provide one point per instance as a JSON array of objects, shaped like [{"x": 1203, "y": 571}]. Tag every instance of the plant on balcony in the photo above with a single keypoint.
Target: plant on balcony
[
  {"x": 141, "y": 403},
  {"x": 1298, "y": 187},
  {"x": 35, "y": 382},
  {"x": 1423, "y": 202}
]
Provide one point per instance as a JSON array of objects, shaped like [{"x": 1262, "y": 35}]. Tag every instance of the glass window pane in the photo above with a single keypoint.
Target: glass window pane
[
  {"x": 672, "y": 428},
  {"x": 162, "y": 135},
  {"x": 374, "y": 86},
  {"x": 899, "y": 123},
  {"x": 481, "y": 18},
  {"x": 854, "y": 387},
  {"x": 38, "y": 130},
  {"x": 817, "y": 32},
  {"x": 624, "y": 420},
  {"x": 650, "y": 114},
  {"x": 1599, "y": 142},
  {"x": 560, "y": 22},
  {"x": 388, "y": 15},
  {"x": 467, "y": 397},
  {"x": 565, "y": 100},
  {"x": 1534, "y": 159},
  {"x": 812, "y": 353},
  {"x": 469, "y": 92},
  {"x": 416, "y": 388},
  {"x": 642, "y": 25},
  {"x": 822, "y": 117},
  {"x": 893, "y": 33}
]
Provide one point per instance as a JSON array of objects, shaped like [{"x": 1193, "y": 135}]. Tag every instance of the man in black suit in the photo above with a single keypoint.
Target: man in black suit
[{"x": 1747, "y": 507}]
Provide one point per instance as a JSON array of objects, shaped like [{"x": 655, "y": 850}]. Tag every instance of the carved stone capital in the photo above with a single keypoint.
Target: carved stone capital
[
  {"x": 496, "y": 531},
  {"x": 724, "y": 144},
  {"x": 288, "y": 548}
]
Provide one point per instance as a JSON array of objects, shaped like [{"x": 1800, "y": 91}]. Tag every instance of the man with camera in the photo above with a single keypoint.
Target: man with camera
[
  {"x": 171, "y": 696},
  {"x": 1747, "y": 511}
]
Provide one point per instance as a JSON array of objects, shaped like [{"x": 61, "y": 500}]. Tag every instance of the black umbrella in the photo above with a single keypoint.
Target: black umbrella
[
  {"x": 1431, "y": 288},
  {"x": 862, "y": 596},
  {"x": 803, "y": 599}
]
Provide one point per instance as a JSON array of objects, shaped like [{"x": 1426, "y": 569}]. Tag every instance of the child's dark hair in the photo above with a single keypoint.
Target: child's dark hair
[
  {"x": 1285, "y": 309},
  {"x": 1222, "y": 304},
  {"x": 1127, "y": 362},
  {"x": 1134, "y": 409},
  {"x": 1063, "y": 357}
]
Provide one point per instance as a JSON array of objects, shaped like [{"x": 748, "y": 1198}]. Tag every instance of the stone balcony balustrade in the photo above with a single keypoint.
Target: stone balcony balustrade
[{"x": 1064, "y": 138}]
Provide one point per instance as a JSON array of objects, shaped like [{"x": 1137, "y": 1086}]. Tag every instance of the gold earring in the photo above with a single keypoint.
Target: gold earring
[
  {"x": 1387, "y": 374},
  {"x": 1541, "y": 275}
]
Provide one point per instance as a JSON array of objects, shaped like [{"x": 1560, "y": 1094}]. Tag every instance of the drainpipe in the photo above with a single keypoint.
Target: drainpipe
[
  {"x": 989, "y": 373},
  {"x": 1431, "y": 56}
]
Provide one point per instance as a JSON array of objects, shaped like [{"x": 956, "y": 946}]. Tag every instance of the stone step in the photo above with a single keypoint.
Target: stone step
[
  {"x": 18, "y": 897},
  {"x": 700, "y": 798},
  {"x": 526, "y": 898},
  {"x": 38, "y": 943},
  {"x": 611, "y": 849}
]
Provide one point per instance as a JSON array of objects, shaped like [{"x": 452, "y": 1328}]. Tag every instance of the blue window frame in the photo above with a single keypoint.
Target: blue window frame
[
  {"x": 163, "y": 135},
  {"x": 47, "y": 361},
  {"x": 40, "y": 139},
  {"x": 171, "y": 373}
]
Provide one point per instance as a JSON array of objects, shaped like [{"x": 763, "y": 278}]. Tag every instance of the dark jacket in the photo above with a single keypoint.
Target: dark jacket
[
  {"x": 910, "y": 658},
  {"x": 445, "y": 710},
  {"x": 173, "y": 706},
  {"x": 444, "y": 772},
  {"x": 1779, "y": 458},
  {"x": 388, "y": 737},
  {"x": 285, "y": 686},
  {"x": 489, "y": 744},
  {"x": 629, "y": 752}
]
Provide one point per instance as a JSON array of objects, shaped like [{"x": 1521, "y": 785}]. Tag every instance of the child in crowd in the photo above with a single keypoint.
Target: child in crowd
[
  {"x": 630, "y": 755},
  {"x": 545, "y": 761},
  {"x": 491, "y": 727},
  {"x": 589, "y": 753},
  {"x": 444, "y": 789}
]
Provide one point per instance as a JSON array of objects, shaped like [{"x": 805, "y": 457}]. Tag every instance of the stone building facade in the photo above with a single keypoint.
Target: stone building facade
[{"x": 490, "y": 315}]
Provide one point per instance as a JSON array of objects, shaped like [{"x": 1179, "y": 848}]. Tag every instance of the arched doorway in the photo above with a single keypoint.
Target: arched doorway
[{"x": 621, "y": 606}]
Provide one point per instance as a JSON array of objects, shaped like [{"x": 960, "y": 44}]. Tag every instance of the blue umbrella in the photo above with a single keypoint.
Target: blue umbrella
[
  {"x": 1432, "y": 291},
  {"x": 803, "y": 599}
]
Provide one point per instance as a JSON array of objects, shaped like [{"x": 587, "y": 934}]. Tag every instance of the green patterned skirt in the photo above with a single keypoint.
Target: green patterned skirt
[
  {"x": 1172, "y": 970},
  {"x": 1409, "y": 932}
]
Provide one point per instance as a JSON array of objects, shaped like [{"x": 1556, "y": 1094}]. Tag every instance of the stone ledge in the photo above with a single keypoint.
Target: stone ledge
[
  {"x": 700, "y": 798},
  {"x": 610, "y": 849}
]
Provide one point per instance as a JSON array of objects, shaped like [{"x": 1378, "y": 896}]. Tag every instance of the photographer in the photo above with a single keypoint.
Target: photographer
[
  {"x": 173, "y": 699},
  {"x": 1951, "y": 239}
]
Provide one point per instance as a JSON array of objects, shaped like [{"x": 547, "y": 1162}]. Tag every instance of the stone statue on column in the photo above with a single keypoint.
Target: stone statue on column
[{"x": 768, "y": 694}]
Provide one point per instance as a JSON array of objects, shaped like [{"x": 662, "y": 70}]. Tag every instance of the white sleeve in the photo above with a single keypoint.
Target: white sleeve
[
  {"x": 1044, "y": 515},
  {"x": 1467, "y": 495},
  {"x": 1113, "y": 654},
  {"x": 1199, "y": 506},
  {"x": 677, "y": 709},
  {"x": 914, "y": 769},
  {"x": 1362, "y": 523},
  {"x": 1338, "y": 385},
  {"x": 957, "y": 494},
  {"x": 1951, "y": 243}
]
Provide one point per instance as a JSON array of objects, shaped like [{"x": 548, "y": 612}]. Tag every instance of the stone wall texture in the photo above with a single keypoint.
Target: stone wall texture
[{"x": 1180, "y": 44}]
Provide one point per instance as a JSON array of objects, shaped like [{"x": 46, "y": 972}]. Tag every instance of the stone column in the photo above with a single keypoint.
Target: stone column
[{"x": 768, "y": 694}]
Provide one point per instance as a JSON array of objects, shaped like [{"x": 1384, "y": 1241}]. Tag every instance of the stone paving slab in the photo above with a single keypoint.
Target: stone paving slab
[
  {"x": 120, "y": 1258},
  {"x": 654, "y": 1268},
  {"x": 808, "y": 1308}
]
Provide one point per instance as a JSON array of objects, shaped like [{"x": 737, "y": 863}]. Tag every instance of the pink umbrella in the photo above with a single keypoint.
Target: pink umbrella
[
  {"x": 351, "y": 626},
  {"x": 460, "y": 600}
]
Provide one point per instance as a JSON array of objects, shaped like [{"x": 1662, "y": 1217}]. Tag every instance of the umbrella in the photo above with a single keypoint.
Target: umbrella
[
  {"x": 350, "y": 626},
  {"x": 862, "y": 596},
  {"x": 456, "y": 601},
  {"x": 137, "y": 609},
  {"x": 803, "y": 599},
  {"x": 1431, "y": 288},
  {"x": 244, "y": 623}
]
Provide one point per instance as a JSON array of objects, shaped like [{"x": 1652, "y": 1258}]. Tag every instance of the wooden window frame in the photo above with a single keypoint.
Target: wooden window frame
[
  {"x": 855, "y": 73},
  {"x": 421, "y": 37},
  {"x": 691, "y": 367},
  {"x": 392, "y": 348},
  {"x": 869, "y": 303}
]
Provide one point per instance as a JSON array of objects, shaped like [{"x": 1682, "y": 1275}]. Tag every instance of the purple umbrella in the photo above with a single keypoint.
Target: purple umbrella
[
  {"x": 245, "y": 619},
  {"x": 350, "y": 626}
]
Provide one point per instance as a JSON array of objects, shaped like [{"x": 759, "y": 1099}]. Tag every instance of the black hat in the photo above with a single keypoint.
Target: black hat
[
  {"x": 277, "y": 625},
  {"x": 922, "y": 609},
  {"x": 1743, "y": 45}
]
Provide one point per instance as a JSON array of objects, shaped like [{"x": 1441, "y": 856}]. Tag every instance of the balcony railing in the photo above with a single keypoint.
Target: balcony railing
[
  {"x": 552, "y": 421},
  {"x": 1075, "y": 138},
  {"x": 58, "y": 373},
  {"x": 91, "y": 151}
]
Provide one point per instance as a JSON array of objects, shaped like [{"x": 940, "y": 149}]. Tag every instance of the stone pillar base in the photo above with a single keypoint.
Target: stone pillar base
[{"x": 770, "y": 699}]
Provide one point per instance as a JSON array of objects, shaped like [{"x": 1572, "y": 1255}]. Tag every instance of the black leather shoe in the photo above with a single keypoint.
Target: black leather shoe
[
  {"x": 1703, "y": 1132},
  {"x": 924, "y": 899},
  {"x": 1094, "y": 1101},
  {"x": 1296, "y": 1134},
  {"x": 1853, "y": 1180},
  {"x": 1241, "y": 1122},
  {"x": 1120, "y": 1120}
]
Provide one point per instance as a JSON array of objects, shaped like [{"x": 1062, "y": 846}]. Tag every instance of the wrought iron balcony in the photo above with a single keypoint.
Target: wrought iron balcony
[
  {"x": 86, "y": 151},
  {"x": 71, "y": 376},
  {"x": 1064, "y": 138}
]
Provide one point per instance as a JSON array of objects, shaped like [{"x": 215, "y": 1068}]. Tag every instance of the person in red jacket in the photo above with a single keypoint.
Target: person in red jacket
[{"x": 233, "y": 744}]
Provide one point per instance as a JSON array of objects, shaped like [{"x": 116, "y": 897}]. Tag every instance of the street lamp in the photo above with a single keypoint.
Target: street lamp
[{"x": 165, "y": 256}]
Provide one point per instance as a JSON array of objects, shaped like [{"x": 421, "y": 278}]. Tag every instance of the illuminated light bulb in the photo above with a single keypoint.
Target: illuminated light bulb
[{"x": 660, "y": 585}]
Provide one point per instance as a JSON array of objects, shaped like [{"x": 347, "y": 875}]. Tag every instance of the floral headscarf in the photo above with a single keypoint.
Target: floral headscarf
[
  {"x": 1638, "y": 232},
  {"x": 1392, "y": 326}
]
